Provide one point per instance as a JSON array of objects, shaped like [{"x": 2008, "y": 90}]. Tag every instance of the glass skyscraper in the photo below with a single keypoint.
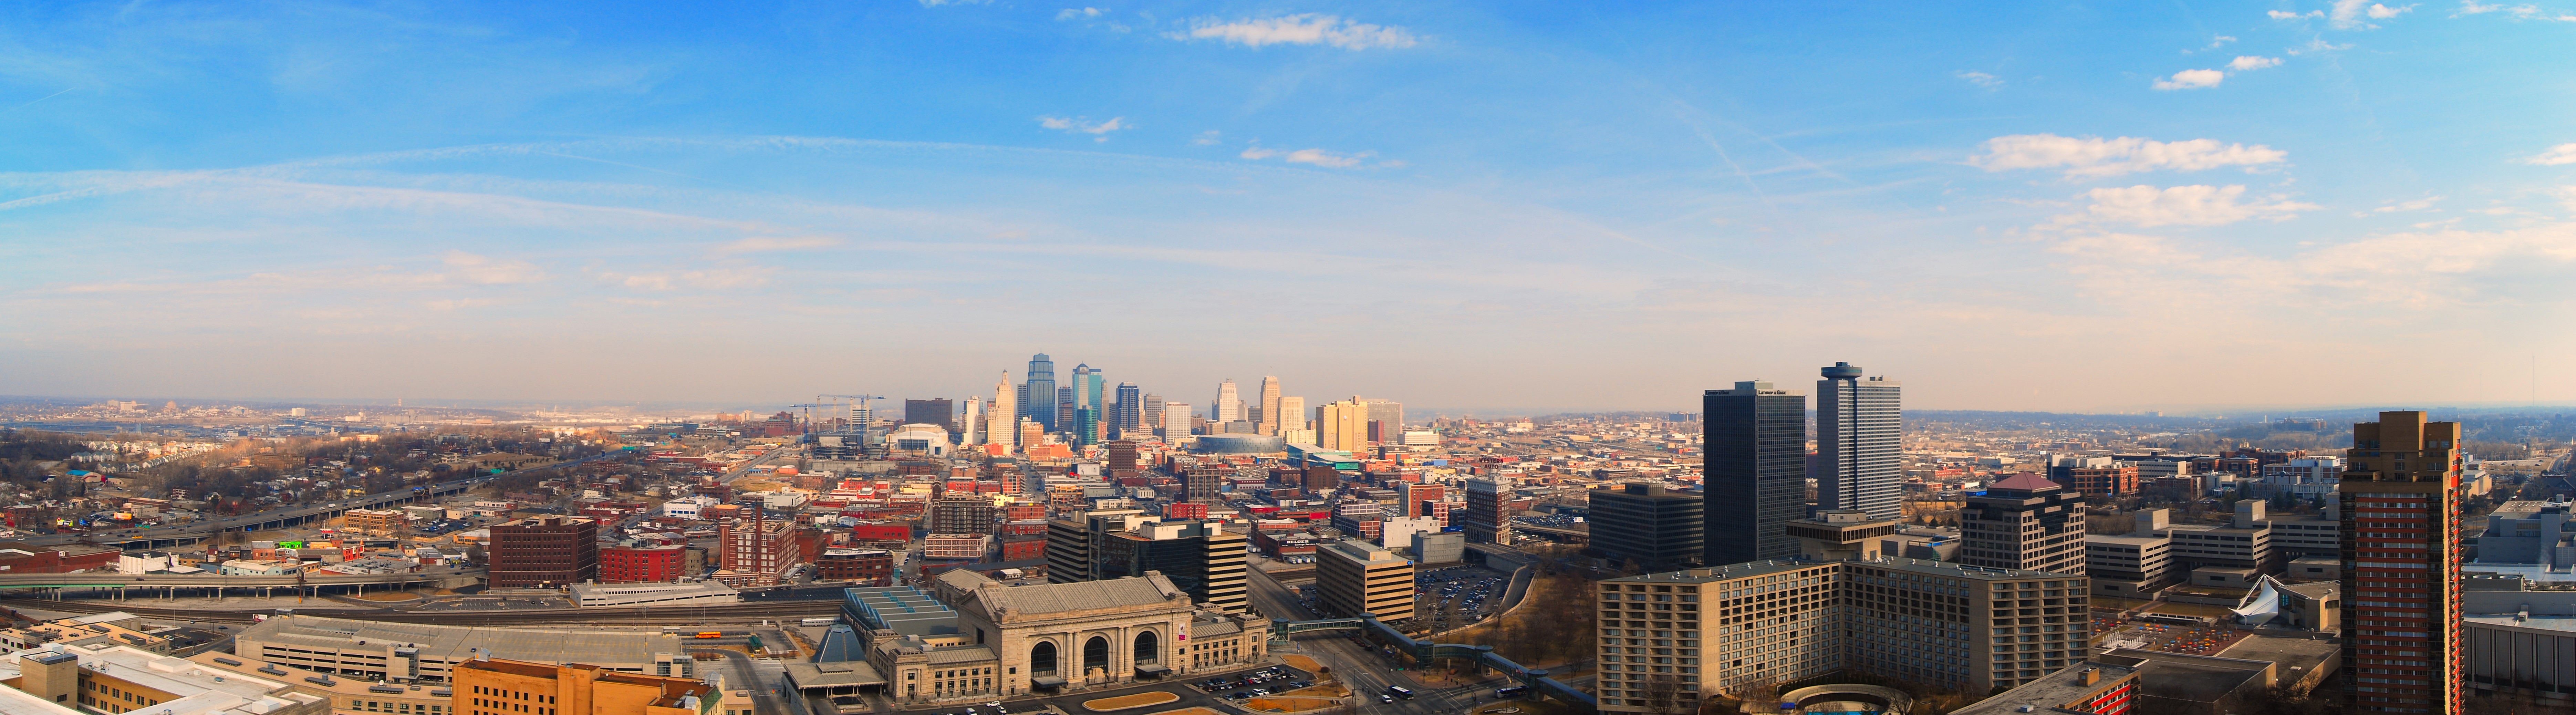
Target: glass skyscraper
[
  {"x": 1860, "y": 427},
  {"x": 1087, "y": 389},
  {"x": 1037, "y": 400},
  {"x": 1756, "y": 472}
]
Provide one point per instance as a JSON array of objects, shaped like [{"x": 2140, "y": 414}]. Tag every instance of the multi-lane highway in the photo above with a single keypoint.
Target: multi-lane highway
[{"x": 192, "y": 532}]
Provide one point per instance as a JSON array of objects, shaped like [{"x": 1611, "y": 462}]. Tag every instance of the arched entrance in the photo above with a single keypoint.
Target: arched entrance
[
  {"x": 1148, "y": 648},
  {"x": 1042, "y": 659},
  {"x": 1095, "y": 655}
]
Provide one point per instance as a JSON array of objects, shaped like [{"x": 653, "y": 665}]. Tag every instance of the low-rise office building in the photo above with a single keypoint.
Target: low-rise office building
[{"x": 1358, "y": 578}]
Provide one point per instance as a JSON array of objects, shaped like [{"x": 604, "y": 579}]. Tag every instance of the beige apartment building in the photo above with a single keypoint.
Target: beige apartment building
[{"x": 1357, "y": 578}]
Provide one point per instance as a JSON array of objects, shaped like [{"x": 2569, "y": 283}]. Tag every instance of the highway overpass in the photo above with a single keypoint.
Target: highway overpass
[{"x": 58, "y": 585}]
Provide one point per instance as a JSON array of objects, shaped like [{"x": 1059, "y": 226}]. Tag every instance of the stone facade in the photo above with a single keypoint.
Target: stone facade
[{"x": 1013, "y": 640}]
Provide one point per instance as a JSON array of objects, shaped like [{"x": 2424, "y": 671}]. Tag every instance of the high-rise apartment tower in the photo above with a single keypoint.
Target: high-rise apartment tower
[
  {"x": 2401, "y": 579},
  {"x": 1859, "y": 441}
]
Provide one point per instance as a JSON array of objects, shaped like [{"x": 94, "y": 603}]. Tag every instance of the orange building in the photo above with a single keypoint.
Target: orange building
[{"x": 513, "y": 687}]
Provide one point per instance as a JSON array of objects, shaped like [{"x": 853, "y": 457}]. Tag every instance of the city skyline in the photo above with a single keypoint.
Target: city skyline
[{"x": 537, "y": 202}]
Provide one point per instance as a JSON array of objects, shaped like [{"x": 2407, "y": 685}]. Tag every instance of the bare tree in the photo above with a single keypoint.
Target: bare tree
[{"x": 1664, "y": 697}]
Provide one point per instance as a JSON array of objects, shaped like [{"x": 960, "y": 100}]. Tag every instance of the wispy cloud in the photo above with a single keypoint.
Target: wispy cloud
[
  {"x": 1083, "y": 125},
  {"x": 2194, "y": 205},
  {"x": 2090, "y": 157},
  {"x": 1074, "y": 14},
  {"x": 1316, "y": 157},
  {"x": 2415, "y": 205},
  {"x": 2517, "y": 12},
  {"x": 2560, "y": 155},
  {"x": 2251, "y": 62},
  {"x": 1305, "y": 29},
  {"x": 1208, "y": 138},
  {"x": 2286, "y": 15},
  {"x": 471, "y": 268},
  {"x": 763, "y": 244},
  {"x": 1981, "y": 79}
]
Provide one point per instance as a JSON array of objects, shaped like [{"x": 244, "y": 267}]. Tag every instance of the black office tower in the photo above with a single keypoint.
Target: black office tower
[{"x": 1755, "y": 471}]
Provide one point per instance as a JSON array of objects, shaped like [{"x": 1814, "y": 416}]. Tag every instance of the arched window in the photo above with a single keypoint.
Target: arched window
[
  {"x": 1148, "y": 649},
  {"x": 1095, "y": 654},
  {"x": 1042, "y": 658}
]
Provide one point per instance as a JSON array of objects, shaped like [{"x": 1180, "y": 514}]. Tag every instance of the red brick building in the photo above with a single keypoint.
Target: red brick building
[
  {"x": 544, "y": 551},
  {"x": 641, "y": 564},
  {"x": 22, "y": 558},
  {"x": 1024, "y": 548},
  {"x": 866, "y": 567}
]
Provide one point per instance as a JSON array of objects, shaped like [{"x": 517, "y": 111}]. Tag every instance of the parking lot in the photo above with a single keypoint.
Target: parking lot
[
  {"x": 1239, "y": 687},
  {"x": 991, "y": 708},
  {"x": 1460, "y": 595}
]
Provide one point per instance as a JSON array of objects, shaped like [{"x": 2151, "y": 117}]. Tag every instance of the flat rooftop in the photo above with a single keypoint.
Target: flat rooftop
[
  {"x": 2055, "y": 690},
  {"x": 457, "y": 643}
]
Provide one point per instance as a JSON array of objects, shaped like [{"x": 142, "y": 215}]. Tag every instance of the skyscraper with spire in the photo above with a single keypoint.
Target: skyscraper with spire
[
  {"x": 1860, "y": 427},
  {"x": 1001, "y": 426},
  {"x": 1038, "y": 393},
  {"x": 1270, "y": 417}
]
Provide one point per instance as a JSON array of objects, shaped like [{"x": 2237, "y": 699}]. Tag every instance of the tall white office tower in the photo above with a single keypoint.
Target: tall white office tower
[
  {"x": 974, "y": 423},
  {"x": 1176, "y": 422},
  {"x": 1002, "y": 425},
  {"x": 1229, "y": 403},
  {"x": 1292, "y": 415},
  {"x": 1860, "y": 429},
  {"x": 1270, "y": 417}
]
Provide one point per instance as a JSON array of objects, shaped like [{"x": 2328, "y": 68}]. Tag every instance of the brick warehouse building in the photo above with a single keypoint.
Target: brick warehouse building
[
  {"x": 642, "y": 564},
  {"x": 544, "y": 551}
]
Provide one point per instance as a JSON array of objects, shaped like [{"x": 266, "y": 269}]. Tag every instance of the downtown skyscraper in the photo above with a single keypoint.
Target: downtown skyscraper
[
  {"x": 1270, "y": 417},
  {"x": 1037, "y": 396},
  {"x": 1002, "y": 423},
  {"x": 1131, "y": 408},
  {"x": 1860, "y": 430},
  {"x": 2401, "y": 578},
  {"x": 1229, "y": 403},
  {"x": 1087, "y": 389},
  {"x": 1755, "y": 472}
]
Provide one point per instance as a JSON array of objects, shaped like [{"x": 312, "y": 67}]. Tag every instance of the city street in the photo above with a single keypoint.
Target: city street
[{"x": 1368, "y": 673}]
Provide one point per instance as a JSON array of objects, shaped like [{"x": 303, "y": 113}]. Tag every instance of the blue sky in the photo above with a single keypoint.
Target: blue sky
[{"x": 2067, "y": 206}]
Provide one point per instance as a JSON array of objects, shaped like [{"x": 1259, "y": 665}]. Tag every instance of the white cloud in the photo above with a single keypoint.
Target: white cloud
[
  {"x": 2251, "y": 62},
  {"x": 1306, "y": 29},
  {"x": 1208, "y": 138},
  {"x": 2193, "y": 205},
  {"x": 2517, "y": 12},
  {"x": 1317, "y": 157},
  {"x": 473, "y": 268},
  {"x": 2281, "y": 15},
  {"x": 2192, "y": 79},
  {"x": 1083, "y": 125},
  {"x": 1981, "y": 79},
  {"x": 2097, "y": 157},
  {"x": 2348, "y": 14},
  {"x": 2220, "y": 40},
  {"x": 1073, "y": 14},
  {"x": 2556, "y": 156},
  {"x": 2318, "y": 45}
]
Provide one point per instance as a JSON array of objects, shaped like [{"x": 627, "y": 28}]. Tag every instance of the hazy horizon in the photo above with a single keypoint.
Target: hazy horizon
[{"x": 2035, "y": 207}]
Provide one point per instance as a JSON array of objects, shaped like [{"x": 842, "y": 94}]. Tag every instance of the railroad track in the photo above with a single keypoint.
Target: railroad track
[{"x": 662, "y": 615}]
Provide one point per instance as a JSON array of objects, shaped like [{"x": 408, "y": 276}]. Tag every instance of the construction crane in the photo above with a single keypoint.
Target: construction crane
[{"x": 854, "y": 401}]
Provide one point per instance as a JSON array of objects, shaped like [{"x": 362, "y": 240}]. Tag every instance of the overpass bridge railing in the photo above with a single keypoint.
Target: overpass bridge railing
[{"x": 1425, "y": 651}]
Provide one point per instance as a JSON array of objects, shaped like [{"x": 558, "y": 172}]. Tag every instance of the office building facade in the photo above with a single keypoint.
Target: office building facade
[
  {"x": 1754, "y": 473},
  {"x": 1357, "y": 577},
  {"x": 544, "y": 552},
  {"x": 1486, "y": 520},
  {"x": 1860, "y": 430},
  {"x": 1131, "y": 408},
  {"x": 2398, "y": 497},
  {"x": 1270, "y": 405},
  {"x": 2024, "y": 522},
  {"x": 934, "y": 411},
  {"x": 1656, "y": 528},
  {"x": 1038, "y": 395},
  {"x": 1692, "y": 634},
  {"x": 1002, "y": 428}
]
